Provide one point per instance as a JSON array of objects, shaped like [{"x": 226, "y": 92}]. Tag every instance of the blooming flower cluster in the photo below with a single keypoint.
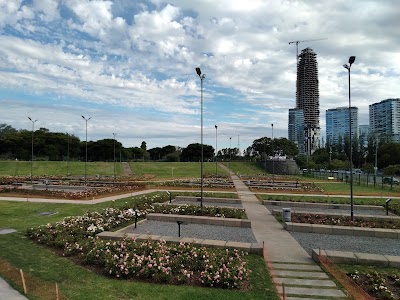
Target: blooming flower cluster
[
  {"x": 73, "y": 229},
  {"x": 158, "y": 261},
  {"x": 382, "y": 285},
  {"x": 161, "y": 262}
]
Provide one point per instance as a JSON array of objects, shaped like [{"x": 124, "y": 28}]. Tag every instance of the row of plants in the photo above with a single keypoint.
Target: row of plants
[
  {"x": 151, "y": 260},
  {"x": 58, "y": 179},
  {"x": 89, "y": 192},
  {"x": 381, "y": 285},
  {"x": 72, "y": 229},
  {"x": 345, "y": 221},
  {"x": 189, "y": 182},
  {"x": 160, "y": 262}
]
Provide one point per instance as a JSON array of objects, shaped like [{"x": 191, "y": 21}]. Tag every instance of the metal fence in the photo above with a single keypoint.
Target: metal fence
[{"x": 361, "y": 179}]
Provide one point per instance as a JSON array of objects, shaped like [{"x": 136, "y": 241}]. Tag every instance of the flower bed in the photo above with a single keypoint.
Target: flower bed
[
  {"x": 90, "y": 192},
  {"x": 157, "y": 261},
  {"x": 345, "y": 221},
  {"x": 163, "y": 263},
  {"x": 208, "y": 183},
  {"x": 382, "y": 285}
]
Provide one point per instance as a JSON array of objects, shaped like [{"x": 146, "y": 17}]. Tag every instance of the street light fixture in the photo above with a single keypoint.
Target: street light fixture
[
  {"x": 114, "y": 134},
  {"x": 33, "y": 126},
  {"x": 348, "y": 67},
  {"x": 86, "y": 120},
  {"x": 201, "y": 76},
  {"x": 216, "y": 151}
]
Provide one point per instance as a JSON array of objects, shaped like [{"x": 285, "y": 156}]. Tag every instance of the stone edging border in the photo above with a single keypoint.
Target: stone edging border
[
  {"x": 341, "y": 257},
  {"x": 256, "y": 248},
  {"x": 343, "y": 230},
  {"x": 229, "y": 222}
]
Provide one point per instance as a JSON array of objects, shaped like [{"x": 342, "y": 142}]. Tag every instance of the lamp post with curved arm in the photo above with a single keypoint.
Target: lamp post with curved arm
[
  {"x": 216, "y": 151},
  {"x": 201, "y": 76},
  {"x": 33, "y": 127},
  {"x": 86, "y": 120},
  {"x": 114, "y": 134},
  {"x": 348, "y": 67}
]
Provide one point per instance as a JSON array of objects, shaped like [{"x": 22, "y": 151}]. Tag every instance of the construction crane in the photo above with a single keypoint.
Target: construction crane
[{"x": 297, "y": 46}]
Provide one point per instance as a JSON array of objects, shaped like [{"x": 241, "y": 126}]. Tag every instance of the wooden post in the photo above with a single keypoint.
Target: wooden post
[
  {"x": 283, "y": 291},
  {"x": 57, "y": 291},
  {"x": 23, "y": 281}
]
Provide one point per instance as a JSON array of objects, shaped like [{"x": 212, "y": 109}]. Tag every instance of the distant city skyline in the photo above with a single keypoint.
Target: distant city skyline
[{"x": 130, "y": 65}]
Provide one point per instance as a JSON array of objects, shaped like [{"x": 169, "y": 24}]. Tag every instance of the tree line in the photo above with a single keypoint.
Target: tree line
[
  {"x": 368, "y": 152},
  {"x": 59, "y": 146}
]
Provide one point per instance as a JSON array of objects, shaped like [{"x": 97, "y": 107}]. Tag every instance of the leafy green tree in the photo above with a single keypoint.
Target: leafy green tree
[
  {"x": 388, "y": 154},
  {"x": 193, "y": 152}
]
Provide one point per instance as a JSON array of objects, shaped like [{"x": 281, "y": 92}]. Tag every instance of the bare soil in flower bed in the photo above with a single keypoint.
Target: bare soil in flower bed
[{"x": 345, "y": 221}]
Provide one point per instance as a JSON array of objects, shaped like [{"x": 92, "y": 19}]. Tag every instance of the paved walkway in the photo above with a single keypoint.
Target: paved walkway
[
  {"x": 290, "y": 265},
  {"x": 8, "y": 293},
  {"x": 127, "y": 169}
]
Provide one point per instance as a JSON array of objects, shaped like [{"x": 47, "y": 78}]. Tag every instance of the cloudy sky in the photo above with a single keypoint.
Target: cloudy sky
[{"x": 130, "y": 65}]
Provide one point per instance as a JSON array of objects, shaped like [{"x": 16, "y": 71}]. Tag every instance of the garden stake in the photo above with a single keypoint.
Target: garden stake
[{"x": 23, "y": 281}]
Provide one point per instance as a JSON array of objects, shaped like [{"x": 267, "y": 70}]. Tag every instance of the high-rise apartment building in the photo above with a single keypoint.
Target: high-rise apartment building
[
  {"x": 296, "y": 128},
  {"x": 384, "y": 119},
  {"x": 338, "y": 124},
  {"x": 307, "y": 98}
]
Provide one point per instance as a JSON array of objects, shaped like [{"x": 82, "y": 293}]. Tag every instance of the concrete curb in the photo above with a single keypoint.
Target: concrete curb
[
  {"x": 256, "y": 248},
  {"x": 229, "y": 222},
  {"x": 342, "y": 257},
  {"x": 343, "y": 230}
]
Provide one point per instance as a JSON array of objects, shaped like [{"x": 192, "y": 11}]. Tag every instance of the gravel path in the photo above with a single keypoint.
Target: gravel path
[
  {"x": 347, "y": 243},
  {"x": 199, "y": 231}
]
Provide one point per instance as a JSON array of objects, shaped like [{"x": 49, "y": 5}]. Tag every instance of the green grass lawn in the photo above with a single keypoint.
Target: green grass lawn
[
  {"x": 245, "y": 168},
  {"x": 344, "y": 188},
  {"x": 77, "y": 282},
  {"x": 75, "y": 168},
  {"x": 171, "y": 170}
]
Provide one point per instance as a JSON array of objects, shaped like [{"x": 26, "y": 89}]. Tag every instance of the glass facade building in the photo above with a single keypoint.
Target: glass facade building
[
  {"x": 338, "y": 124},
  {"x": 384, "y": 119},
  {"x": 296, "y": 128}
]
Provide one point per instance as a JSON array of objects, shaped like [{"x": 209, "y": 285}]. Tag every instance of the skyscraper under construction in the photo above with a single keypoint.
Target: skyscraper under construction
[{"x": 307, "y": 98}]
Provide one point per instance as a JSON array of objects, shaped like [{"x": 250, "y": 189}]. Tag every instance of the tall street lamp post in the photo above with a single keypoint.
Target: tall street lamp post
[
  {"x": 273, "y": 154},
  {"x": 86, "y": 120},
  {"x": 201, "y": 76},
  {"x": 33, "y": 127},
  {"x": 216, "y": 151},
  {"x": 230, "y": 153},
  {"x": 67, "y": 154},
  {"x": 348, "y": 67},
  {"x": 114, "y": 134}
]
